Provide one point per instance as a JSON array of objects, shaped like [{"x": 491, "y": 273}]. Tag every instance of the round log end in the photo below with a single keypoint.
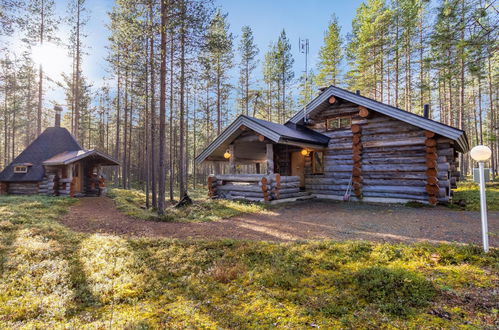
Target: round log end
[
  {"x": 356, "y": 128},
  {"x": 430, "y": 143},
  {"x": 363, "y": 112},
  {"x": 332, "y": 100},
  {"x": 433, "y": 200},
  {"x": 429, "y": 134}
]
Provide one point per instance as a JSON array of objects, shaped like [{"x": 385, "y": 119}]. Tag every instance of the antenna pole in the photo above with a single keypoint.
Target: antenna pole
[{"x": 304, "y": 48}]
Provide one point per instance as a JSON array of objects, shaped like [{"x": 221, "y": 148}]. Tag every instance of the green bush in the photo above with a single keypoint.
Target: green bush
[{"x": 395, "y": 291}]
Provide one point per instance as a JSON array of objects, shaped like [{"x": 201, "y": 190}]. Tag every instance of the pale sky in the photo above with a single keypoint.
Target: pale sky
[{"x": 301, "y": 19}]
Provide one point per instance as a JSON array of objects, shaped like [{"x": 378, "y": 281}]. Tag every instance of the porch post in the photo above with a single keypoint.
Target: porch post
[
  {"x": 232, "y": 160},
  {"x": 270, "y": 158}
]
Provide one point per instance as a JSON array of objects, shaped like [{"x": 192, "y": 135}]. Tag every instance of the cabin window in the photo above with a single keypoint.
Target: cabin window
[
  {"x": 20, "y": 169},
  {"x": 317, "y": 162},
  {"x": 338, "y": 123}
]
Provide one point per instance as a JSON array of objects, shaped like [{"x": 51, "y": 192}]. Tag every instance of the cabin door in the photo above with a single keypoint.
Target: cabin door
[
  {"x": 77, "y": 177},
  {"x": 298, "y": 166}
]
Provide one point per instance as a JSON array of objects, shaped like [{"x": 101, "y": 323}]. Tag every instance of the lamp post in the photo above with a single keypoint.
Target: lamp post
[{"x": 482, "y": 154}]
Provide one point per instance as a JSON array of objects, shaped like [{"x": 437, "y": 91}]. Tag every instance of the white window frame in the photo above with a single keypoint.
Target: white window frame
[{"x": 20, "y": 169}]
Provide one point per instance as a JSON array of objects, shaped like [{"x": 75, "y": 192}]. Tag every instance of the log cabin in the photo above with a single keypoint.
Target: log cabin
[
  {"x": 55, "y": 164},
  {"x": 341, "y": 146}
]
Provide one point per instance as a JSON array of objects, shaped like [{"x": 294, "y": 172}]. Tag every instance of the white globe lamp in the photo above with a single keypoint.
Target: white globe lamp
[{"x": 481, "y": 154}]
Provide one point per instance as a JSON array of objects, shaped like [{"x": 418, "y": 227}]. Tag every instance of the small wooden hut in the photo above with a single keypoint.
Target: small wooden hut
[
  {"x": 340, "y": 144},
  {"x": 55, "y": 164}
]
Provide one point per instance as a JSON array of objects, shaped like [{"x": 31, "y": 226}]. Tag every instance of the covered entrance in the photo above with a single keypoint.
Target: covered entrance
[{"x": 282, "y": 153}]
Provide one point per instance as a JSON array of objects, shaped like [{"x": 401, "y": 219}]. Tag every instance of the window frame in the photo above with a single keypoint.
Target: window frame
[
  {"x": 314, "y": 169},
  {"x": 20, "y": 169},
  {"x": 338, "y": 119}
]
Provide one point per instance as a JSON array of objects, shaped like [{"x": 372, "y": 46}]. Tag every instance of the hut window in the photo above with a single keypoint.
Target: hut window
[
  {"x": 20, "y": 169},
  {"x": 317, "y": 162},
  {"x": 338, "y": 123}
]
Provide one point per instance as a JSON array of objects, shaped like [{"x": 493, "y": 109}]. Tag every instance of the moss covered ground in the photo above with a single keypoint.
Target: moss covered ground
[
  {"x": 52, "y": 277},
  {"x": 467, "y": 196},
  {"x": 132, "y": 203}
]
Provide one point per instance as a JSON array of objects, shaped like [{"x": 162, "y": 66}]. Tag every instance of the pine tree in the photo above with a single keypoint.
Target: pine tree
[
  {"x": 248, "y": 63},
  {"x": 40, "y": 24},
  {"x": 217, "y": 58},
  {"x": 330, "y": 55},
  {"x": 285, "y": 73}
]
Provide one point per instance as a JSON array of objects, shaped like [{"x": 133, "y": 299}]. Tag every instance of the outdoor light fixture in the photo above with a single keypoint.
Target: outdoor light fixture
[
  {"x": 305, "y": 152},
  {"x": 227, "y": 154},
  {"x": 482, "y": 154}
]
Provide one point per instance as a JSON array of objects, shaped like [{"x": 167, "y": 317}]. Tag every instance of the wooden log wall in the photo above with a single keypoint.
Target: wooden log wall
[
  {"x": 23, "y": 188},
  {"x": 49, "y": 185},
  {"x": 385, "y": 157}
]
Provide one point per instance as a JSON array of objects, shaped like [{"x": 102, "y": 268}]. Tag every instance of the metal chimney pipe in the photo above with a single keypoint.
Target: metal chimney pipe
[
  {"x": 357, "y": 92},
  {"x": 426, "y": 111},
  {"x": 58, "y": 111}
]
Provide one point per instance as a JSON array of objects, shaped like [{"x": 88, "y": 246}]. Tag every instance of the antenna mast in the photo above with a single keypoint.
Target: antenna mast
[{"x": 304, "y": 50}]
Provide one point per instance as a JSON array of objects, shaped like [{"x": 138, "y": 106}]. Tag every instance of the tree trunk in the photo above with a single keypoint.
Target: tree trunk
[{"x": 162, "y": 100}]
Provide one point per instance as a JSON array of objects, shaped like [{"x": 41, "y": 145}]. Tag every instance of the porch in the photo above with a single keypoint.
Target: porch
[{"x": 280, "y": 158}]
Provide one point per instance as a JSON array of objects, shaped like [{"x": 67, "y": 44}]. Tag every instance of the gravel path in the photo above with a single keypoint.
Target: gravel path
[{"x": 312, "y": 219}]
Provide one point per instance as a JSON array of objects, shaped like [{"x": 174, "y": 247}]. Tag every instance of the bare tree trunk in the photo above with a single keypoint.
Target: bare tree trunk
[
  {"x": 182, "y": 155},
  {"x": 162, "y": 100},
  {"x": 124, "y": 165},
  {"x": 153, "y": 107},
  {"x": 117, "y": 146},
  {"x": 171, "y": 154}
]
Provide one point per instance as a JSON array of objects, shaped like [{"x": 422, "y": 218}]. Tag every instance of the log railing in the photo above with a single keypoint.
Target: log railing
[{"x": 253, "y": 187}]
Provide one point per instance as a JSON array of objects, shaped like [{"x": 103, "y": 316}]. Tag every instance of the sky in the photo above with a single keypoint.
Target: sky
[{"x": 301, "y": 19}]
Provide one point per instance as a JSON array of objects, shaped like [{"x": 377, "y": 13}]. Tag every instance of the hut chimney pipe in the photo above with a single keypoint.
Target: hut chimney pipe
[
  {"x": 357, "y": 92},
  {"x": 58, "y": 111},
  {"x": 426, "y": 111}
]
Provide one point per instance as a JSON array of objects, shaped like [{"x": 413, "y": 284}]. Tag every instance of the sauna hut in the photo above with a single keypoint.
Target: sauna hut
[
  {"x": 340, "y": 146},
  {"x": 55, "y": 164}
]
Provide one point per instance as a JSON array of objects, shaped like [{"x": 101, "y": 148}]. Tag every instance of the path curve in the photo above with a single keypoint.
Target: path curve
[{"x": 313, "y": 219}]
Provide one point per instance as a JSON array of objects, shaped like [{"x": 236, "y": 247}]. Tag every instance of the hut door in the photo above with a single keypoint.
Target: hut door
[
  {"x": 298, "y": 166},
  {"x": 77, "y": 176}
]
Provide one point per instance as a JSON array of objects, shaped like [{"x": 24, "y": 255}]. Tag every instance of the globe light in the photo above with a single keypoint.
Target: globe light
[
  {"x": 480, "y": 153},
  {"x": 227, "y": 155},
  {"x": 304, "y": 152}
]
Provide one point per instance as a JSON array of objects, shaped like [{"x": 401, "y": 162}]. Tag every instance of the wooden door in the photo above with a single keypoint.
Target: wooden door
[
  {"x": 77, "y": 177},
  {"x": 298, "y": 166}
]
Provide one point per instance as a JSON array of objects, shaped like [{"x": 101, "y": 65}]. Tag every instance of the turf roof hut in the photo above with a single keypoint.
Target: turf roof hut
[
  {"x": 347, "y": 141},
  {"x": 55, "y": 164}
]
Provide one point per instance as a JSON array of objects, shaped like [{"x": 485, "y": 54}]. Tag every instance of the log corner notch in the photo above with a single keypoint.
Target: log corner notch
[
  {"x": 364, "y": 112},
  {"x": 431, "y": 157},
  {"x": 3, "y": 188},
  {"x": 212, "y": 186},
  {"x": 357, "y": 160}
]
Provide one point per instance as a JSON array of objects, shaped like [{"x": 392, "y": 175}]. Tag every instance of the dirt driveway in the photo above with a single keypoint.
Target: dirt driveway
[{"x": 312, "y": 219}]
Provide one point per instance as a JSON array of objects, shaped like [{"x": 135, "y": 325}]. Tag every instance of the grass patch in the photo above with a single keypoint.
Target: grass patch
[
  {"x": 132, "y": 203},
  {"x": 467, "y": 196},
  {"x": 52, "y": 277}
]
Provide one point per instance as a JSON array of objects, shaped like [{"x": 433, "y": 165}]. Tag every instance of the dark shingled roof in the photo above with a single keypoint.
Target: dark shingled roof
[
  {"x": 277, "y": 133},
  {"x": 53, "y": 141},
  {"x": 321, "y": 102}
]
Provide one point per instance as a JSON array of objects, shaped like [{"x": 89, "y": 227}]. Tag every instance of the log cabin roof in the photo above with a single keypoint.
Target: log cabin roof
[
  {"x": 68, "y": 157},
  {"x": 321, "y": 103},
  {"x": 277, "y": 133},
  {"x": 54, "y": 141},
  {"x": 51, "y": 142}
]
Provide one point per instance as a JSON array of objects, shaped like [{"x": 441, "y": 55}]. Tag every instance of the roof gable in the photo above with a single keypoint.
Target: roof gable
[
  {"x": 321, "y": 102},
  {"x": 53, "y": 141},
  {"x": 277, "y": 133}
]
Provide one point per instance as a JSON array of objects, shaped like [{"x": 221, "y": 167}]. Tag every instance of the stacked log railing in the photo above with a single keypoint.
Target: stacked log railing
[
  {"x": 65, "y": 187},
  {"x": 253, "y": 187}
]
